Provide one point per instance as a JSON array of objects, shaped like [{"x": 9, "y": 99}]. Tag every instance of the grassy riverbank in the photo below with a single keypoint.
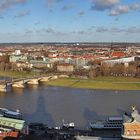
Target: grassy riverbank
[
  {"x": 15, "y": 74},
  {"x": 112, "y": 83}
]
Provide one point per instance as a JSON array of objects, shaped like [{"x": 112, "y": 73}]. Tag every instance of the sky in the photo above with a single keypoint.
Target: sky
[{"x": 69, "y": 21}]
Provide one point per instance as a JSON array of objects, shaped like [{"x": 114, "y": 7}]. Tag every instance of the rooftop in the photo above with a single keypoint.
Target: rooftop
[{"x": 9, "y": 122}]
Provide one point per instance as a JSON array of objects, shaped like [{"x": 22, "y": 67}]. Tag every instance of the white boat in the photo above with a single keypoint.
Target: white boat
[
  {"x": 109, "y": 123},
  {"x": 10, "y": 113},
  {"x": 69, "y": 125}
]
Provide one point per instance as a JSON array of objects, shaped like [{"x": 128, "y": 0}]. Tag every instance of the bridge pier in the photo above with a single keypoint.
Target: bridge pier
[
  {"x": 3, "y": 88},
  {"x": 44, "y": 79},
  {"x": 19, "y": 84},
  {"x": 33, "y": 82}
]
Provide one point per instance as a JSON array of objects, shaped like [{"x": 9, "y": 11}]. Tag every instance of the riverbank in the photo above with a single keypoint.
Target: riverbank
[
  {"x": 15, "y": 74},
  {"x": 112, "y": 83}
]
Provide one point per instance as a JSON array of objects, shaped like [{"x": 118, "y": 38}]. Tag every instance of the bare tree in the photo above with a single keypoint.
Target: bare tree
[
  {"x": 117, "y": 69},
  {"x": 105, "y": 69},
  {"x": 2, "y": 66}
]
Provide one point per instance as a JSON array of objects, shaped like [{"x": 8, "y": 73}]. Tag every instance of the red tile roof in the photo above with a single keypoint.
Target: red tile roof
[{"x": 118, "y": 54}]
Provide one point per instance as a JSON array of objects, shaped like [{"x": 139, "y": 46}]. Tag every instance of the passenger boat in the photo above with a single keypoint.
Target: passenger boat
[
  {"x": 12, "y": 124},
  {"x": 109, "y": 123},
  {"x": 10, "y": 113}
]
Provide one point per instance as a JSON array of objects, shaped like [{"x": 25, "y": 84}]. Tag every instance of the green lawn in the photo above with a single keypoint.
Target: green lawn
[
  {"x": 114, "y": 83},
  {"x": 15, "y": 74},
  {"x": 117, "y": 83}
]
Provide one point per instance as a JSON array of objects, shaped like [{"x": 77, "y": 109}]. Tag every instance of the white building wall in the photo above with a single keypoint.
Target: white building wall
[{"x": 119, "y": 61}]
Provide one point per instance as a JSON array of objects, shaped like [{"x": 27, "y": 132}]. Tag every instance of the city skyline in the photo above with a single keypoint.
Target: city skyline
[{"x": 69, "y": 21}]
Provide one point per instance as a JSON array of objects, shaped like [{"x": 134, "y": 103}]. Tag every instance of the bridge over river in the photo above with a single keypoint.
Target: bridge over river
[{"x": 20, "y": 83}]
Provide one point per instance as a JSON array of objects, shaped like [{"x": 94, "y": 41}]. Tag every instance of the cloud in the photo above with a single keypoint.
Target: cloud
[
  {"x": 101, "y": 5},
  {"x": 128, "y": 30},
  {"x": 46, "y": 30},
  {"x": 37, "y": 23},
  {"x": 23, "y": 14},
  {"x": 114, "y": 7},
  {"x": 122, "y": 9},
  {"x": 6, "y": 4},
  {"x": 81, "y": 13},
  {"x": 50, "y": 3},
  {"x": 102, "y": 29},
  {"x": 1, "y": 17},
  {"x": 28, "y": 31},
  {"x": 66, "y": 7},
  {"x": 49, "y": 30},
  {"x": 133, "y": 29}
]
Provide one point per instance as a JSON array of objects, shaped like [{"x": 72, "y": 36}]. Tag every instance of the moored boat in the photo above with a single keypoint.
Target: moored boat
[
  {"x": 10, "y": 113},
  {"x": 69, "y": 125},
  {"x": 110, "y": 123},
  {"x": 12, "y": 124}
]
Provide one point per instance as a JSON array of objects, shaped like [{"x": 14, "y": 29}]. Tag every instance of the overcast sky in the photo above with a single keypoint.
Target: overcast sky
[{"x": 69, "y": 20}]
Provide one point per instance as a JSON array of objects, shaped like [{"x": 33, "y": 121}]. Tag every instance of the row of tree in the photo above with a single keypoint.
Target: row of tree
[
  {"x": 133, "y": 69},
  {"x": 117, "y": 70}
]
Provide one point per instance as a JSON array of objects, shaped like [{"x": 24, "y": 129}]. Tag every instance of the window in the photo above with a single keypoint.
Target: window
[
  {"x": 135, "y": 132},
  {"x": 128, "y": 132}
]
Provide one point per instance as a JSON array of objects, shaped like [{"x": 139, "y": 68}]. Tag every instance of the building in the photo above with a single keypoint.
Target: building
[
  {"x": 18, "y": 58},
  {"x": 112, "y": 62},
  {"x": 17, "y": 52},
  {"x": 65, "y": 67},
  {"x": 131, "y": 125},
  {"x": 41, "y": 64},
  {"x": 118, "y": 54},
  {"x": 4, "y": 58}
]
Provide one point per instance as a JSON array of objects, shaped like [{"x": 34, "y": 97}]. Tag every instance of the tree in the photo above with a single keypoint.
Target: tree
[
  {"x": 94, "y": 72},
  {"x": 2, "y": 66},
  {"x": 117, "y": 69},
  {"x": 105, "y": 69}
]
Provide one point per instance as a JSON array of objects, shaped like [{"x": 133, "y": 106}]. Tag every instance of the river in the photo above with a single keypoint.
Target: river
[{"x": 51, "y": 105}]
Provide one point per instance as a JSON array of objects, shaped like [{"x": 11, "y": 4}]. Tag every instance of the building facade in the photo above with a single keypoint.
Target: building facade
[
  {"x": 131, "y": 126},
  {"x": 65, "y": 68}
]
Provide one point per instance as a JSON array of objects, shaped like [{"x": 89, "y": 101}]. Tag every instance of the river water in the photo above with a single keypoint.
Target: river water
[{"x": 51, "y": 105}]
